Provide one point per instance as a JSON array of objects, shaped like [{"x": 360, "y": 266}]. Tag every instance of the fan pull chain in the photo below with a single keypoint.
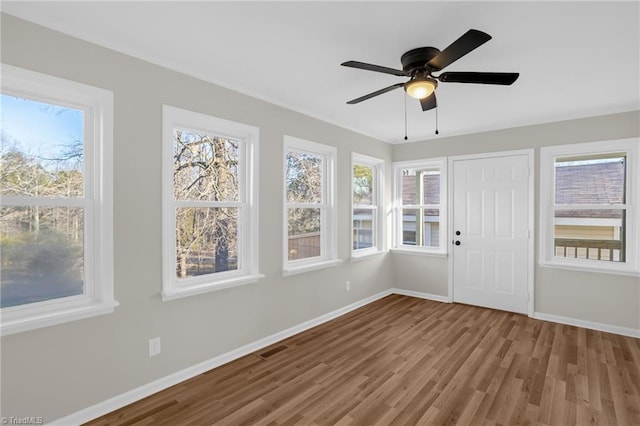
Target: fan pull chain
[
  {"x": 437, "y": 122},
  {"x": 405, "y": 117}
]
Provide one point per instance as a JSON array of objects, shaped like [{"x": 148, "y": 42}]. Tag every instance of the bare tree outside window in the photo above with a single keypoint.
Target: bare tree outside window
[
  {"x": 205, "y": 169},
  {"x": 304, "y": 192},
  {"x": 41, "y": 233}
]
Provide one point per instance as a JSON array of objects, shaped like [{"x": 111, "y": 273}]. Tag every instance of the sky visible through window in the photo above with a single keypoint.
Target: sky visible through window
[
  {"x": 38, "y": 129},
  {"x": 41, "y": 155}
]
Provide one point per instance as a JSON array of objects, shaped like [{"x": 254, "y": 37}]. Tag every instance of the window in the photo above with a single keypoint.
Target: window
[
  {"x": 56, "y": 205},
  {"x": 210, "y": 221},
  {"x": 588, "y": 218},
  {"x": 310, "y": 240},
  {"x": 420, "y": 206},
  {"x": 366, "y": 202}
]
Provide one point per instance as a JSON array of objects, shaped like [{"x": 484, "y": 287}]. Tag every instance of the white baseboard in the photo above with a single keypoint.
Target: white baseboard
[
  {"x": 421, "y": 295},
  {"x": 608, "y": 328},
  {"x": 144, "y": 391},
  {"x": 141, "y": 392}
]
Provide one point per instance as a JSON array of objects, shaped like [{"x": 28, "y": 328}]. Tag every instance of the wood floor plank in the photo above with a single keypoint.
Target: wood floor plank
[{"x": 408, "y": 361}]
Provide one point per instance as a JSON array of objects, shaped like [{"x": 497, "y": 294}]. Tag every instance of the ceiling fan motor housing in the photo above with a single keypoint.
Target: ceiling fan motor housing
[{"x": 415, "y": 60}]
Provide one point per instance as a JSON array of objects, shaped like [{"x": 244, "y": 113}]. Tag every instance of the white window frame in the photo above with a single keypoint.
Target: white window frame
[
  {"x": 548, "y": 157},
  {"x": 328, "y": 208},
  {"x": 377, "y": 165},
  {"x": 398, "y": 245},
  {"x": 97, "y": 203},
  {"x": 247, "y": 272}
]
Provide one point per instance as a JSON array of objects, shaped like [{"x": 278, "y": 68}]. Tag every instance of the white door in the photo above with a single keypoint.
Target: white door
[{"x": 491, "y": 232}]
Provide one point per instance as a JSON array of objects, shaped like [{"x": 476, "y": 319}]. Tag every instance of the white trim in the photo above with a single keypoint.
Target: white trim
[
  {"x": 358, "y": 256},
  {"x": 585, "y": 221},
  {"x": 584, "y": 265},
  {"x": 418, "y": 252},
  {"x": 443, "y": 207},
  {"x": 57, "y": 317},
  {"x": 531, "y": 223},
  {"x": 308, "y": 267},
  {"x": 328, "y": 208},
  {"x": 548, "y": 157},
  {"x": 421, "y": 295},
  {"x": 179, "y": 293},
  {"x": 377, "y": 165},
  {"x": 615, "y": 329},
  {"x": 126, "y": 398},
  {"x": 97, "y": 202},
  {"x": 247, "y": 204}
]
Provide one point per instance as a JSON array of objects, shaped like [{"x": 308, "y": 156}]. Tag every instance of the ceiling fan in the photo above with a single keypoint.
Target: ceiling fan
[{"x": 419, "y": 65}]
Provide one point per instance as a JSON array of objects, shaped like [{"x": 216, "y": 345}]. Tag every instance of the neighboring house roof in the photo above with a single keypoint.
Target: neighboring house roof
[{"x": 598, "y": 183}]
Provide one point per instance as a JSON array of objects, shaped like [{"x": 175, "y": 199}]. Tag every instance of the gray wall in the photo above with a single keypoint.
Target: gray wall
[
  {"x": 55, "y": 371},
  {"x": 601, "y": 298}
]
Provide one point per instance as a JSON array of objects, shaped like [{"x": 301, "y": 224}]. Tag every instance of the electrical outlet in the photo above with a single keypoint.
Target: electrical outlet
[
  {"x": 347, "y": 286},
  {"x": 154, "y": 346}
]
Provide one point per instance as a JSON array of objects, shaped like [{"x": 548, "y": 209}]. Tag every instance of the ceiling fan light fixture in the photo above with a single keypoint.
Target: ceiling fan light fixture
[{"x": 420, "y": 87}]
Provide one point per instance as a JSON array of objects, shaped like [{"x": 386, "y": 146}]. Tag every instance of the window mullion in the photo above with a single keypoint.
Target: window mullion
[
  {"x": 205, "y": 204},
  {"x": 22, "y": 201},
  {"x": 590, "y": 206}
]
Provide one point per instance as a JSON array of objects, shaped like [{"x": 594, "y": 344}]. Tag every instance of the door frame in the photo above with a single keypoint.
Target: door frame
[{"x": 530, "y": 153}]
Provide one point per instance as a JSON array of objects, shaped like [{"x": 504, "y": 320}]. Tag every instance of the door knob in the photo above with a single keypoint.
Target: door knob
[
  {"x": 457, "y": 232},
  {"x": 457, "y": 243}
]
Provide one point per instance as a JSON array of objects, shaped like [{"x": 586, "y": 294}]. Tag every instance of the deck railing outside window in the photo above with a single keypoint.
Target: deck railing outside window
[{"x": 610, "y": 250}]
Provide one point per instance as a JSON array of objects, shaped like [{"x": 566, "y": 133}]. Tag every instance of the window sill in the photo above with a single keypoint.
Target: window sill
[
  {"x": 419, "y": 252},
  {"x": 310, "y": 267},
  {"x": 178, "y": 293},
  {"x": 588, "y": 268},
  {"x": 357, "y": 256},
  {"x": 33, "y": 322}
]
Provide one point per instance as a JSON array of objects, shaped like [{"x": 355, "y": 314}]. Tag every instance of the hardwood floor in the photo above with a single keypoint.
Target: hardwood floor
[{"x": 408, "y": 361}]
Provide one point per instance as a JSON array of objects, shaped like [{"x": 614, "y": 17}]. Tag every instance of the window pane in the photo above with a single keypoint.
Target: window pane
[
  {"x": 43, "y": 160},
  {"x": 363, "y": 228},
  {"x": 421, "y": 186},
  {"x": 431, "y": 229},
  {"x": 42, "y": 254},
  {"x": 304, "y": 233},
  {"x": 590, "y": 234},
  {"x": 409, "y": 187},
  {"x": 204, "y": 167},
  {"x": 409, "y": 220},
  {"x": 304, "y": 177},
  {"x": 590, "y": 181},
  {"x": 206, "y": 241},
  {"x": 363, "y": 184},
  {"x": 431, "y": 186},
  {"x": 421, "y": 227}
]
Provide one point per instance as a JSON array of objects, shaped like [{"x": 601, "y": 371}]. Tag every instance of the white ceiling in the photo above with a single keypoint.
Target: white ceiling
[{"x": 575, "y": 59}]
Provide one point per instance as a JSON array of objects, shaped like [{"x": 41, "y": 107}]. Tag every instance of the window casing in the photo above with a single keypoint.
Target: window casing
[
  {"x": 210, "y": 216},
  {"x": 310, "y": 234},
  {"x": 367, "y": 224},
  {"x": 420, "y": 206},
  {"x": 56, "y": 226},
  {"x": 589, "y": 218}
]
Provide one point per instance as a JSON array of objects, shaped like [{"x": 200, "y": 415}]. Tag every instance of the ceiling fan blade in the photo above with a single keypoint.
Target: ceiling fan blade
[
  {"x": 376, "y": 93},
  {"x": 503, "y": 78},
  {"x": 456, "y": 50},
  {"x": 429, "y": 102},
  {"x": 371, "y": 67}
]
